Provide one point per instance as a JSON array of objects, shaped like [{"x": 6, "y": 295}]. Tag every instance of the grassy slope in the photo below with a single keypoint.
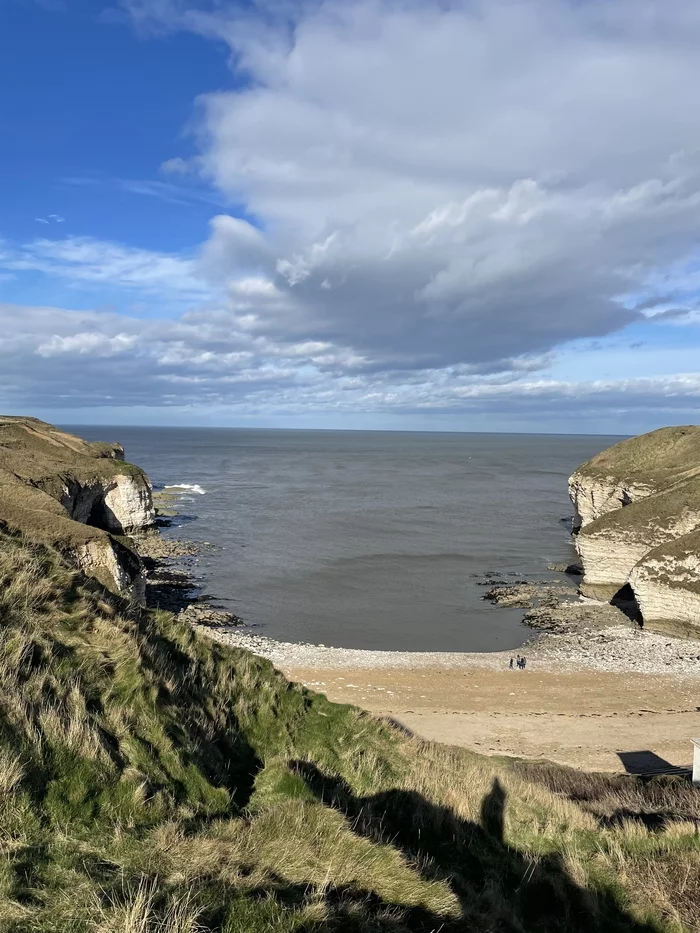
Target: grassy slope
[
  {"x": 154, "y": 782},
  {"x": 659, "y": 458},
  {"x": 34, "y": 452}
]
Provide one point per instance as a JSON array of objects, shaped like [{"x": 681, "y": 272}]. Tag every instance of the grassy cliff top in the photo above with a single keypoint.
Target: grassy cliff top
[
  {"x": 657, "y": 459},
  {"x": 32, "y": 451},
  {"x": 152, "y": 781},
  {"x": 16, "y": 429},
  {"x": 38, "y": 464},
  {"x": 41, "y": 517}
]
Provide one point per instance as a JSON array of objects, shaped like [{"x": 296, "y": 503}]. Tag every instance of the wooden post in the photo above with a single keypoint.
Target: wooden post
[{"x": 696, "y": 762}]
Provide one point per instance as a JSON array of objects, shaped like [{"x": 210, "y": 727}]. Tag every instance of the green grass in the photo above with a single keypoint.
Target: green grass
[
  {"x": 152, "y": 781},
  {"x": 38, "y": 464},
  {"x": 658, "y": 458},
  {"x": 32, "y": 451}
]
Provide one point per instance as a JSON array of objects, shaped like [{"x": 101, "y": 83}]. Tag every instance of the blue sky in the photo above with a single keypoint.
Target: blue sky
[
  {"x": 90, "y": 108},
  {"x": 369, "y": 213}
]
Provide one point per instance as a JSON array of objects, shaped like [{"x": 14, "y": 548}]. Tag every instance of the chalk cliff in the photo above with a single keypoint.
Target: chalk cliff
[
  {"x": 77, "y": 496},
  {"x": 637, "y": 518},
  {"x": 666, "y": 583}
]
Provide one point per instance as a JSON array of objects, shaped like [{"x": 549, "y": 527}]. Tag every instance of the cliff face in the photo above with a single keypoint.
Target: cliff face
[
  {"x": 666, "y": 583},
  {"x": 120, "y": 503},
  {"x": 61, "y": 490},
  {"x": 637, "y": 513},
  {"x": 595, "y": 496}
]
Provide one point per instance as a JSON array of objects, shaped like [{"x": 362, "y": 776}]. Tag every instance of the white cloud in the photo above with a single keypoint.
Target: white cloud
[
  {"x": 95, "y": 262},
  {"x": 453, "y": 183},
  {"x": 92, "y": 343},
  {"x": 54, "y": 357},
  {"x": 443, "y": 195}
]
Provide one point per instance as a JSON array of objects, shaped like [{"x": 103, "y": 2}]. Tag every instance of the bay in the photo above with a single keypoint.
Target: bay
[{"x": 367, "y": 539}]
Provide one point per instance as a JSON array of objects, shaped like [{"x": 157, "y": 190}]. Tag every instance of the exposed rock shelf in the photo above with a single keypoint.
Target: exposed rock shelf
[{"x": 637, "y": 514}]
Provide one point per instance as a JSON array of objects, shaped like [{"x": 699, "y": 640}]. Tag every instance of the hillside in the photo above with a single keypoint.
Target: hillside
[
  {"x": 637, "y": 514},
  {"x": 79, "y": 497},
  {"x": 151, "y": 780}
]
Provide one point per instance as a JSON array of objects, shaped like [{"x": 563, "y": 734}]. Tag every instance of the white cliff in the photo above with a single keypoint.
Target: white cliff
[
  {"x": 121, "y": 503},
  {"x": 61, "y": 490},
  {"x": 113, "y": 565},
  {"x": 634, "y": 503},
  {"x": 593, "y": 496},
  {"x": 666, "y": 583},
  {"x": 611, "y": 545}
]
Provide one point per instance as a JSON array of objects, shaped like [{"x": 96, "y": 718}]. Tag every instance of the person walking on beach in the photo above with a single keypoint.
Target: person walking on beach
[
  {"x": 511, "y": 664},
  {"x": 523, "y": 662}
]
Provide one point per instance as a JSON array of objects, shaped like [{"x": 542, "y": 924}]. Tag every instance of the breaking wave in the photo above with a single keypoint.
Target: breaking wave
[{"x": 187, "y": 487}]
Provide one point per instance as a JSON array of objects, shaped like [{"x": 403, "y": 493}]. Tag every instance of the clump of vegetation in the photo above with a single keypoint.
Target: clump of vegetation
[{"x": 152, "y": 781}]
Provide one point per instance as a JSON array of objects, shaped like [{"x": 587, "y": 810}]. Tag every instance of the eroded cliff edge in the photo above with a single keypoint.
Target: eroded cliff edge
[
  {"x": 77, "y": 496},
  {"x": 637, "y": 525}
]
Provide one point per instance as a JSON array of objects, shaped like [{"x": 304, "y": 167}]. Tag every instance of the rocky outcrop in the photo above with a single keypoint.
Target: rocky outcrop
[
  {"x": 632, "y": 470},
  {"x": 595, "y": 496},
  {"x": 121, "y": 503},
  {"x": 611, "y": 545},
  {"x": 666, "y": 583},
  {"x": 61, "y": 490},
  {"x": 637, "y": 507}
]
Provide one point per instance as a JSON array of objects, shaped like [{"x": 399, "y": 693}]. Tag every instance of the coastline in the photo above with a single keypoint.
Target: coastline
[
  {"x": 596, "y": 688},
  {"x": 616, "y": 649},
  {"x": 634, "y": 699}
]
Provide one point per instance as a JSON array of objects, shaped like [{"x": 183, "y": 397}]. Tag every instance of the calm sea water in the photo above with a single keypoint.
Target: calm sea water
[{"x": 366, "y": 539}]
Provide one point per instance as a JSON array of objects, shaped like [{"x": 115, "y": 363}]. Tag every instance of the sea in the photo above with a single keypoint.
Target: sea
[{"x": 355, "y": 539}]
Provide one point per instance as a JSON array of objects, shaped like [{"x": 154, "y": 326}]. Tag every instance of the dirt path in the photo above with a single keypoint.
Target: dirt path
[{"x": 584, "y": 719}]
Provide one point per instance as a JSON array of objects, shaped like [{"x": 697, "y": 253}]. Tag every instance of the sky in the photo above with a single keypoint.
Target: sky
[{"x": 468, "y": 215}]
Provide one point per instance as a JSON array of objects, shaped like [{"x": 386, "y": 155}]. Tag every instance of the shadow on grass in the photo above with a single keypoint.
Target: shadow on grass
[
  {"x": 498, "y": 887},
  {"x": 656, "y": 801}
]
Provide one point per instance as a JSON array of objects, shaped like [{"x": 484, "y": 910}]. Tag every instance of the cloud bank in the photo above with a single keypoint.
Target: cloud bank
[{"x": 442, "y": 195}]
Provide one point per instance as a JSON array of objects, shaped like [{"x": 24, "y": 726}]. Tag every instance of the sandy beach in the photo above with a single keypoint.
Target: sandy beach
[{"x": 585, "y": 699}]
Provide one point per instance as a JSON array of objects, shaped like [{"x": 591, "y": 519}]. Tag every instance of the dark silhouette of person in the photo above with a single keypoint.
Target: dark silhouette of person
[
  {"x": 499, "y": 889},
  {"x": 493, "y": 811},
  {"x": 511, "y": 664}
]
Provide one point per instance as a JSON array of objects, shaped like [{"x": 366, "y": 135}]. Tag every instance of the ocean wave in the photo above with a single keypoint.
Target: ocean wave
[{"x": 188, "y": 487}]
